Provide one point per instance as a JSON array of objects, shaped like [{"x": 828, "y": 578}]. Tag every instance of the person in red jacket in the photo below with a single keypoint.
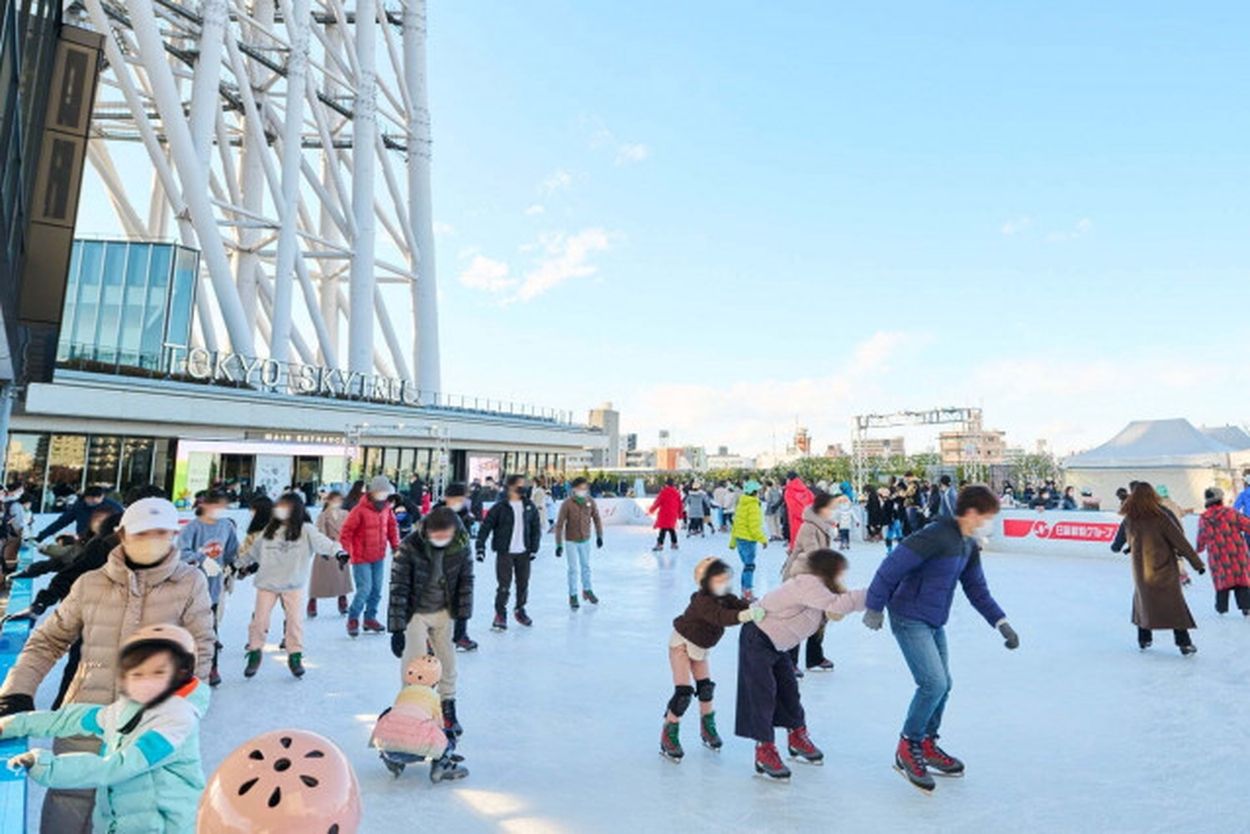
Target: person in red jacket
[
  {"x": 368, "y": 529},
  {"x": 798, "y": 497},
  {"x": 667, "y": 510}
]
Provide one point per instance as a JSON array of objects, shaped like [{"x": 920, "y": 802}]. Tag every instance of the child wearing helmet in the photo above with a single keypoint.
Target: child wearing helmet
[
  {"x": 712, "y": 609},
  {"x": 147, "y": 773},
  {"x": 413, "y": 729}
]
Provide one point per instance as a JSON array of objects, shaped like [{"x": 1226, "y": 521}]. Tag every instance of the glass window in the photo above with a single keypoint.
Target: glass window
[
  {"x": 67, "y": 454},
  {"x": 71, "y": 304},
  {"x": 407, "y": 465},
  {"x": 373, "y": 462},
  {"x": 182, "y": 297},
  {"x": 103, "y": 456},
  {"x": 112, "y": 283},
  {"x": 134, "y": 302},
  {"x": 154, "y": 309},
  {"x": 88, "y": 303},
  {"x": 28, "y": 455},
  {"x": 390, "y": 463},
  {"x": 136, "y": 463}
]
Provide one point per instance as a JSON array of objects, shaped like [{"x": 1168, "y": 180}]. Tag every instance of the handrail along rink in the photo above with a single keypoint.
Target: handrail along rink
[{"x": 13, "y": 795}]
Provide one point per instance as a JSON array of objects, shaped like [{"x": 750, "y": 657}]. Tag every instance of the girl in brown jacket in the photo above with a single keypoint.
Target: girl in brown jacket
[
  {"x": 712, "y": 609},
  {"x": 1155, "y": 542}
]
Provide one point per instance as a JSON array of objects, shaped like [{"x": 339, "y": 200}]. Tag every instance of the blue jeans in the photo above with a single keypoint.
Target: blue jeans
[
  {"x": 369, "y": 578},
  {"x": 746, "y": 550},
  {"x": 579, "y": 556},
  {"x": 924, "y": 649}
]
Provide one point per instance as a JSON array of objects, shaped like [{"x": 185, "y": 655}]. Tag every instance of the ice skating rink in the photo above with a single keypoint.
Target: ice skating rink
[{"x": 1077, "y": 731}]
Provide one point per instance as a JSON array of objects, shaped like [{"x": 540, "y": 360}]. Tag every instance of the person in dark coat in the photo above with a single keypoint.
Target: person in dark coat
[
  {"x": 431, "y": 587},
  {"x": 455, "y": 498},
  {"x": 1156, "y": 540},
  {"x": 874, "y": 513},
  {"x": 515, "y": 532},
  {"x": 79, "y": 513}
]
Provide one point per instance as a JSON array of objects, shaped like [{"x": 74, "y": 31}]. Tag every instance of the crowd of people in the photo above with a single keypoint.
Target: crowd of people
[{"x": 137, "y": 594}]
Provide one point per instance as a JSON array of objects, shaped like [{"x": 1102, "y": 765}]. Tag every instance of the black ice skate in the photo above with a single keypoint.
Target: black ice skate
[
  {"x": 447, "y": 768},
  {"x": 768, "y": 761},
  {"x": 800, "y": 747},
  {"x": 450, "y": 724},
  {"x": 909, "y": 761},
  {"x": 938, "y": 760}
]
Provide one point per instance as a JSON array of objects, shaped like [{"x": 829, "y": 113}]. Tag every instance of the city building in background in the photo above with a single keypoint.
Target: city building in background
[
  {"x": 724, "y": 460},
  {"x": 973, "y": 445},
  {"x": 608, "y": 421},
  {"x": 879, "y": 447}
]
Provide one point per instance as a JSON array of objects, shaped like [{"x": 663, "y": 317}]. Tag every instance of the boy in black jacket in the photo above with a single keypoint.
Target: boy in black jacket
[
  {"x": 456, "y": 499},
  {"x": 432, "y": 587},
  {"x": 513, "y": 522}
]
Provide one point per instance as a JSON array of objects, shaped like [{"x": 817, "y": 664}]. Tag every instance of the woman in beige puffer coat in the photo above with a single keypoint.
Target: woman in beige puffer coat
[{"x": 103, "y": 608}]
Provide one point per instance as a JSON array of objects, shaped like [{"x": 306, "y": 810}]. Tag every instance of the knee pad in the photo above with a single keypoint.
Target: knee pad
[
  {"x": 680, "y": 701},
  {"x": 704, "y": 688}
]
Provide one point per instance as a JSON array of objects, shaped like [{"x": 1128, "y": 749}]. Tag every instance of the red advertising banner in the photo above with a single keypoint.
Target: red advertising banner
[{"x": 1077, "y": 531}]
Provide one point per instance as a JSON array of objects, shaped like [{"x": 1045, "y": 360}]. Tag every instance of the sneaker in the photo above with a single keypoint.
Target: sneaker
[
  {"x": 768, "y": 762},
  {"x": 522, "y": 617},
  {"x": 214, "y": 677},
  {"x": 938, "y": 760},
  {"x": 590, "y": 597},
  {"x": 342, "y": 606},
  {"x": 253, "y": 663},
  {"x": 909, "y": 761},
  {"x": 296, "y": 664},
  {"x": 353, "y": 627},
  {"x": 500, "y": 623},
  {"x": 800, "y": 747},
  {"x": 670, "y": 742},
  {"x": 464, "y": 644},
  {"x": 374, "y": 626},
  {"x": 707, "y": 732},
  {"x": 312, "y": 609},
  {"x": 825, "y": 665},
  {"x": 573, "y": 603}
]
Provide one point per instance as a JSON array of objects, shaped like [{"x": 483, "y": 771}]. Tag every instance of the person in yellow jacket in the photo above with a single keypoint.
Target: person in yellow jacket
[{"x": 747, "y": 532}]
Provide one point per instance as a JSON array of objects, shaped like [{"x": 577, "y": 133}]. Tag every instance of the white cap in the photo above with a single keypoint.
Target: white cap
[{"x": 149, "y": 514}]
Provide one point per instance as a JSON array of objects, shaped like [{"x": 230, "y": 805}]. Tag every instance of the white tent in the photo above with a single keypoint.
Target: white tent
[{"x": 1171, "y": 453}]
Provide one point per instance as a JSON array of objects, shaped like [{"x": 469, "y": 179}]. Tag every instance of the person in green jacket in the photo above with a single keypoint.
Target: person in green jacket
[
  {"x": 147, "y": 775},
  {"x": 746, "y": 533}
]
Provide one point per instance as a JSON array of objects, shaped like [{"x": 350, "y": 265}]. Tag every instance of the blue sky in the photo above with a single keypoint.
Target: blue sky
[
  {"x": 811, "y": 210},
  {"x": 728, "y": 217}
]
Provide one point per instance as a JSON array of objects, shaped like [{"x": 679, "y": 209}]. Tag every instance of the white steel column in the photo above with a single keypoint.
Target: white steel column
[
  {"x": 424, "y": 289},
  {"x": 364, "y": 131},
  {"x": 297, "y": 17}
]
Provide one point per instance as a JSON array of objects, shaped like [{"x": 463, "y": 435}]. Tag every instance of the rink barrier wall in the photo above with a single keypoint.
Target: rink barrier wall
[
  {"x": 1066, "y": 533},
  {"x": 13, "y": 795}
]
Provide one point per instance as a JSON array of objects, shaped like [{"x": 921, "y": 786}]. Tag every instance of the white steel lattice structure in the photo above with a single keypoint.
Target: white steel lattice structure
[
  {"x": 968, "y": 418},
  {"x": 289, "y": 141}
]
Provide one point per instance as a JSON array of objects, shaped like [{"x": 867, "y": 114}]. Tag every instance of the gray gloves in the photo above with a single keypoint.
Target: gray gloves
[
  {"x": 874, "y": 619},
  {"x": 1010, "y": 639}
]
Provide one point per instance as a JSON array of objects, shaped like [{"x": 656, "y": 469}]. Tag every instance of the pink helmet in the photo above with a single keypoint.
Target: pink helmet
[
  {"x": 282, "y": 782},
  {"x": 423, "y": 671}
]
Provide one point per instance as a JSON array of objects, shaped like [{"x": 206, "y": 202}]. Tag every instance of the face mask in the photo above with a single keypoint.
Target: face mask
[
  {"x": 212, "y": 515},
  {"x": 719, "y": 589},
  {"x": 147, "y": 690},
  {"x": 581, "y": 495},
  {"x": 378, "y": 497},
  {"x": 282, "y": 513},
  {"x": 147, "y": 551},
  {"x": 984, "y": 528},
  {"x": 401, "y": 514},
  {"x": 377, "y": 503},
  {"x": 440, "y": 541}
]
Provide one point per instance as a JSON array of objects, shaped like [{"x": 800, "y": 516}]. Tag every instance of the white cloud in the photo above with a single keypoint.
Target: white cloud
[
  {"x": 629, "y": 153},
  {"x": 534, "y": 209},
  {"x": 487, "y": 274},
  {"x": 563, "y": 257},
  {"x": 1080, "y": 229},
  {"x": 442, "y": 229},
  {"x": 558, "y": 181},
  {"x": 1016, "y": 225}
]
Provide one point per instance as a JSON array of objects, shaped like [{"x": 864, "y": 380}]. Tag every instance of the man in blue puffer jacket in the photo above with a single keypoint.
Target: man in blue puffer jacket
[{"x": 916, "y": 582}]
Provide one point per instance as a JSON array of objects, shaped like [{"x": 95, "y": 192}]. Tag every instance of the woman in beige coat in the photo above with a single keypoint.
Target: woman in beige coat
[
  {"x": 1156, "y": 541},
  {"x": 815, "y": 533},
  {"x": 329, "y": 579},
  {"x": 144, "y": 582}
]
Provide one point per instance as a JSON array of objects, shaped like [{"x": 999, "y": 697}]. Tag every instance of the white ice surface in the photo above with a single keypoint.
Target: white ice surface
[{"x": 1077, "y": 731}]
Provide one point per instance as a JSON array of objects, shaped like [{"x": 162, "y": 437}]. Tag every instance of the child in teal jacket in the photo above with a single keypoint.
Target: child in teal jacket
[{"x": 147, "y": 775}]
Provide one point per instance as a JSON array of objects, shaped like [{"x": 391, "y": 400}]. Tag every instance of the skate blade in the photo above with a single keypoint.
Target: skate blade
[
  {"x": 921, "y": 788},
  {"x": 794, "y": 757},
  {"x": 942, "y": 775},
  {"x": 715, "y": 748},
  {"x": 760, "y": 774},
  {"x": 668, "y": 758}
]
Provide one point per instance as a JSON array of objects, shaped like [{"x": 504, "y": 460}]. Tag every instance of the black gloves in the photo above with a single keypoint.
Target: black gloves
[
  {"x": 342, "y": 559},
  {"x": 398, "y": 642},
  {"x": 481, "y": 555},
  {"x": 1201, "y": 570},
  {"x": 874, "y": 619},
  {"x": 559, "y": 550},
  {"x": 15, "y": 703},
  {"x": 1010, "y": 639},
  {"x": 598, "y": 541}
]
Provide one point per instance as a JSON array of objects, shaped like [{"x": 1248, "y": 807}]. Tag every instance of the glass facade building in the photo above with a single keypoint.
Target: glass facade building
[
  {"x": 56, "y": 466},
  {"x": 125, "y": 300}
]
